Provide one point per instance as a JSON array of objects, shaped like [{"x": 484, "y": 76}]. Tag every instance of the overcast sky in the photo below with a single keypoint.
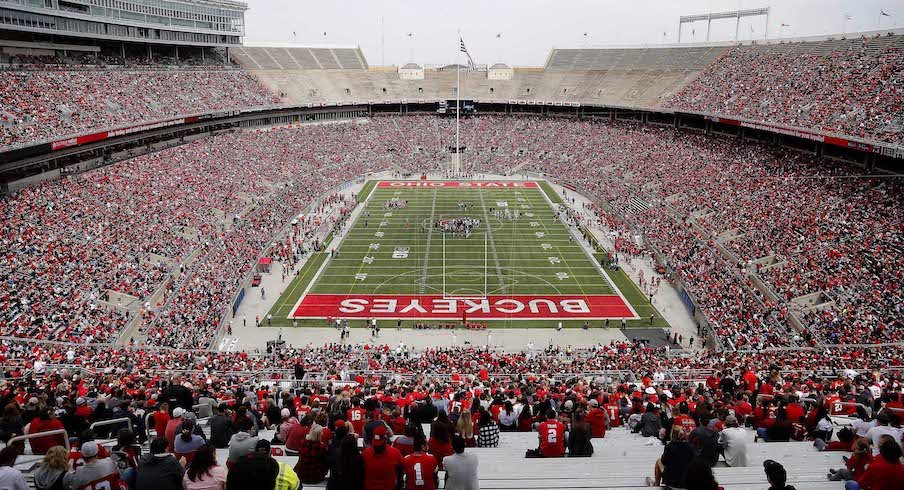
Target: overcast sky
[{"x": 529, "y": 28}]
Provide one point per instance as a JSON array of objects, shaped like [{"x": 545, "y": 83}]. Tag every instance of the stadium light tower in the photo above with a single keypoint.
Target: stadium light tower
[{"x": 732, "y": 14}]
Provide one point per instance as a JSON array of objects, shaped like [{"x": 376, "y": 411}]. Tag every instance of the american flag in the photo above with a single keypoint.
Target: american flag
[{"x": 471, "y": 65}]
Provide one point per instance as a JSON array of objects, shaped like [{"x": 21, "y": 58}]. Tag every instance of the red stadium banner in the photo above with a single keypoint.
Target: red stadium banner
[
  {"x": 91, "y": 138},
  {"x": 437, "y": 307},
  {"x": 482, "y": 185}
]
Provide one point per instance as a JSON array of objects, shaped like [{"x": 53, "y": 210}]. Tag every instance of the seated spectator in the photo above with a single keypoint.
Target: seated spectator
[
  {"x": 508, "y": 419},
  {"x": 94, "y": 472},
  {"x": 579, "y": 436},
  {"x": 285, "y": 426},
  {"x": 733, "y": 440},
  {"x": 776, "y": 476},
  {"x": 44, "y": 422},
  {"x": 671, "y": 468},
  {"x": 221, "y": 430},
  {"x": 461, "y": 468},
  {"x": 845, "y": 442},
  {"x": 598, "y": 419},
  {"x": 10, "y": 477},
  {"x": 421, "y": 470},
  {"x": 440, "y": 442},
  {"x": 487, "y": 430},
  {"x": 885, "y": 472},
  {"x": 778, "y": 429},
  {"x": 158, "y": 470},
  {"x": 126, "y": 453},
  {"x": 173, "y": 427},
  {"x": 464, "y": 427},
  {"x": 706, "y": 441},
  {"x": 382, "y": 462},
  {"x": 187, "y": 442},
  {"x": 311, "y": 466},
  {"x": 240, "y": 446},
  {"x": 700, "y": 476},
  {"x": 347, "y": 470},
  {"x": 650, "y": 422},
  {"x": 260, "y": 470},
  {"x": 553, "y": 438},
  {"x": 855, "y": 466},
  {"x": 49, "y": 475},
  {"x": 203, "y": 472},
  {"x": 884, "y": 428}
]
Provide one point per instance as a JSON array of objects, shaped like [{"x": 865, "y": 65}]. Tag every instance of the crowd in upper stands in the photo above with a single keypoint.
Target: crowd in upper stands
[
  {"x": 853, "y": 89},
  {"x": 50, "y": 102}
]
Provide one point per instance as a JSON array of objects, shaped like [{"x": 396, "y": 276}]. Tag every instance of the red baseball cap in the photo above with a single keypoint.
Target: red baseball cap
[
  {"x": 339, "y": 423},
  {"x": 379, "y": 437}
]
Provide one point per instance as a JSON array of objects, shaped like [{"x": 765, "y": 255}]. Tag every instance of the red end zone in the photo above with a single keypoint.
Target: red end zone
[
  {"x": 436, "y": 307},
  {"x": 481, "y": 185}
]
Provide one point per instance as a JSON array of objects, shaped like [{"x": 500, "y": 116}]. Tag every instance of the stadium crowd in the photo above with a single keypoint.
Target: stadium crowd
[
  {"x": 41, "y": 102},
  {"x": 852, "y": 89},
  {"x": 467, "y": 396}
]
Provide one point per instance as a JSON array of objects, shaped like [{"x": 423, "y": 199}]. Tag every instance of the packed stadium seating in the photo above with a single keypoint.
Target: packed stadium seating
[
  {"x": 846, "y": 86},
  {"x": 43, "y": 102}
]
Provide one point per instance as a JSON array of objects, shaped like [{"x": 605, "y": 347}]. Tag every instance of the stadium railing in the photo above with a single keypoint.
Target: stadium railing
[{"x": 36, "y": 435}]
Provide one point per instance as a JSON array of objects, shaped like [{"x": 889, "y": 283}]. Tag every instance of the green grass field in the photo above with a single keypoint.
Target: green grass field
[{"x": 400, "y": 251}]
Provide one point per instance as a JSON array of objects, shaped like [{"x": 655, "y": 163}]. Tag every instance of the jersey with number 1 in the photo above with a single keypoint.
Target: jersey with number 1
[{"x": 419, "y": 470}]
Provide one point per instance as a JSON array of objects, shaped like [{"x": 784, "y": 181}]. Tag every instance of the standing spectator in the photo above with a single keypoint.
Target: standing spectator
[
  {"x": 348, "y": 471},
  {"x": 10, "y": 478},
  {"x": 461, "y": 468},
  {"x": 203, "y": 472},
  {"x": 94, "y": 473},
  {"x": 420, "y": 467},
  {"x": 311, "y": 466},
  {"x": 465, "y": 428},
  {"x": 382, "y": 463},
  {"x": 161, "y": 419},
  {"x": 49, "y": 475},
  {"x": 159, "y": 470},
  {"x": 734, "y": 443}
]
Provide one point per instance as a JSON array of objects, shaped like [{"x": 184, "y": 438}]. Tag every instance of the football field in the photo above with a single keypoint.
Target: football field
[{"x": 476, "y": 251}]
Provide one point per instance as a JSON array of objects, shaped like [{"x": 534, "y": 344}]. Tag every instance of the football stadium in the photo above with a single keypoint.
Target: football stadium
[{"x": 384, "y": 245}]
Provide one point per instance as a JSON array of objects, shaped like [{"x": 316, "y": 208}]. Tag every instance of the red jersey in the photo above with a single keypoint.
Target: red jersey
[
  {"x": 419, "y": 470},
  {"x": 552, "y": 439},
  {"x": 381, "y": 468},
  {"x": 40, "y": 445},
  {"x": 686, "y": 422},
  {"x": 356, "y": 417}
]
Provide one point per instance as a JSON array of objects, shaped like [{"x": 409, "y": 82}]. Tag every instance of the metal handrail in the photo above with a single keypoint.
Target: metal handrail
[
  {"x": 101, "y": 423},
  {"x": 35, "y": 435}
]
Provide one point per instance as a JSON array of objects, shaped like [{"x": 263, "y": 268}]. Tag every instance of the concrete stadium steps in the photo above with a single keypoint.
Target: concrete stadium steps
[{"x": 623, "y": 460}]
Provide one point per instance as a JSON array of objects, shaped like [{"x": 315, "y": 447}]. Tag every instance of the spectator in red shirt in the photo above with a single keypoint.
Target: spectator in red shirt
[
  {"x": 855, "y": 466},
  {"x": 45, "y": 421},
  {"x": 420, "y": 467},
  {"x": 552, "y": 437},
  {"x": 598, "y": 419},
  {"x": 161, "y": 419},
  {"x": 885, "y": 472},
  {"x": 794, "y": 410},
  {"x": 172, "y": 428},
  {"x": 382, "y": 463}
]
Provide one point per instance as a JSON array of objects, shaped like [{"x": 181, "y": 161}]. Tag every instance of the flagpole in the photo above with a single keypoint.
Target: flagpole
[{"x": 458, "y": 101}]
